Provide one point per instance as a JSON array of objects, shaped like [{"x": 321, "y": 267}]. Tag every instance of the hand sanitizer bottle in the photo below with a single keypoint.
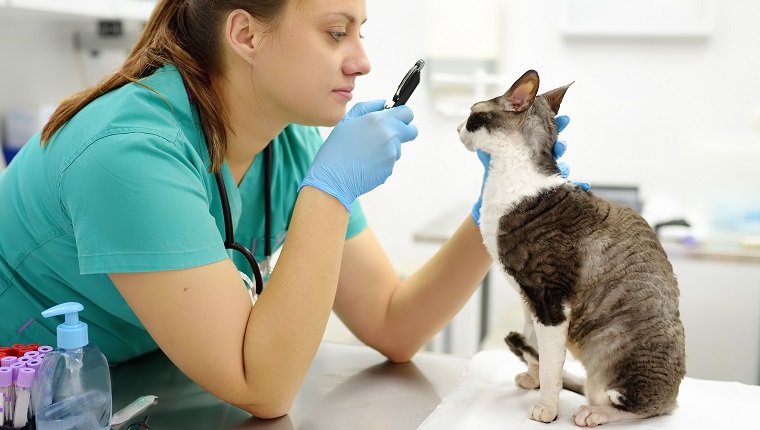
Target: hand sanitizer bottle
[{"x": 73, "y": 388}]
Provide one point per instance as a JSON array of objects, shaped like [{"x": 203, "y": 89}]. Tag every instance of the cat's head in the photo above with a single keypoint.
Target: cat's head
[{"x": 519, "y": 121}]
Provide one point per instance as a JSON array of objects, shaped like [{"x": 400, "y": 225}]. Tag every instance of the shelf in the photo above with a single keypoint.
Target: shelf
[{"x": 643, "y": 19}]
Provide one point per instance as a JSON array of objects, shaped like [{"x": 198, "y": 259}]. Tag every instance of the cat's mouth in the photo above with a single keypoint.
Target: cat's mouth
[{"x": 466, "y": 137}]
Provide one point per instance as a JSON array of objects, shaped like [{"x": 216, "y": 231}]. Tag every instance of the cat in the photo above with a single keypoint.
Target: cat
[{"x": 592, "y": 275}]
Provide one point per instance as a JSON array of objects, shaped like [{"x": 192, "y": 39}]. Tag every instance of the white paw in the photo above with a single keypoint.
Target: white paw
[
  {"x": 590, "y": 416},
  {"x": 525, "y": 380},
  {"x": 543, "y": 413}
]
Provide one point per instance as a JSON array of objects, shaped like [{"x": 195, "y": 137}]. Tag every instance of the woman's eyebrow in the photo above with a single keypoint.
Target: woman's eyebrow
[{"x": 352, "y": 19}]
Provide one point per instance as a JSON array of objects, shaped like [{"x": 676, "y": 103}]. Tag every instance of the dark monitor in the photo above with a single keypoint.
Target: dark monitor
[{"x": 627, "y": 195}]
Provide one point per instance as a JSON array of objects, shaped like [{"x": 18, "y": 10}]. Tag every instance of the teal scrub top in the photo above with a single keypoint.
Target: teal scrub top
[{"x": 124, "y": 186}]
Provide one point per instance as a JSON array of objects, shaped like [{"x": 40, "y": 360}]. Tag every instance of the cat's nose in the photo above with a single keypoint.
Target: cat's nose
[{"x": 459, "y": 128}]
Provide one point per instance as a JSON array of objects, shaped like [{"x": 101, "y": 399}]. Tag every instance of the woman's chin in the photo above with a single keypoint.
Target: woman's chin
[
  {"x": 330, "y": 119},
  {"x": 326, "y": 117}
]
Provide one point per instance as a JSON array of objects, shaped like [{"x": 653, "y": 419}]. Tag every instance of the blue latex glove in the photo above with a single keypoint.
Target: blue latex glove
[
  {"x": 559, "y": 148},
  {"x": 361, "y": 150}
]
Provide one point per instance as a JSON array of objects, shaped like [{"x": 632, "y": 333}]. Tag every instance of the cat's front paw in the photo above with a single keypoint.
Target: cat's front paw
[
  {"x": 527, "y": 381},
  {"x": 590, "y": 416},
  {"x": 543, "y": 413}
]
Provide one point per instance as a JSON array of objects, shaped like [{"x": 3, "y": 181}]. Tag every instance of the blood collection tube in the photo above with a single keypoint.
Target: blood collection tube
[
  {"x": 18, "y": 349},
  {"x": 6, "y": 388},
  {"x": 15, "y": 367},
  {"x": 7, "y": 361},
  {"x": 23, "y": 397}
]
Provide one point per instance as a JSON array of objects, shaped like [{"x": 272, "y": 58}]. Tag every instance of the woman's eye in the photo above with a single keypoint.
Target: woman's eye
[{"x": 337, "y": 35}]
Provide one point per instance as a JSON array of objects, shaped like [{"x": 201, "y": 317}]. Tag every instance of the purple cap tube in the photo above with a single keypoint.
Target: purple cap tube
[
  {"x": 6, "y": 376},
  {"x": 16, "y": 367},
  {"x": 7, "y": 361},
  {"x": 34, "y": 364},
  {"x": 44, "y": 349},
  {"x": 23, "y": 397},
  {"x": 25, "y": 377}
]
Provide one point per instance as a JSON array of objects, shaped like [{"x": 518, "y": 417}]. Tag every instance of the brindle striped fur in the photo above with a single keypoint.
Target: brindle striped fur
[{"x": 567, "y": 247}]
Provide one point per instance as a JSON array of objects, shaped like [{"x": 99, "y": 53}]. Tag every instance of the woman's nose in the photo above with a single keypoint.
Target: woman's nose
[{"x": 359, "y": 63}]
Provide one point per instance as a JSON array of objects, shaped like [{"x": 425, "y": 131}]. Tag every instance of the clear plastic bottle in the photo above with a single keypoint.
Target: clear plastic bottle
[{"x": 73, "y": 388}]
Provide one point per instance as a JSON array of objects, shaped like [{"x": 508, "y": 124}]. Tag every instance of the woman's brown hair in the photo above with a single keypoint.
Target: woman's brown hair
[{"x": 187, "y": 34}]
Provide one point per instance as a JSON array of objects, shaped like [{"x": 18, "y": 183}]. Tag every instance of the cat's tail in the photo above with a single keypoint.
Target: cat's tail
[{"x": 520, "y": 347}]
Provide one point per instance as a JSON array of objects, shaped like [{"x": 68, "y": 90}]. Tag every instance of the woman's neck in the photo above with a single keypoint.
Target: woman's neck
[{"x": 251, "y": 126}]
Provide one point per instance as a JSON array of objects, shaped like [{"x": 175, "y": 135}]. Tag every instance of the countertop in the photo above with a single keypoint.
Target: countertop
[{"x": 347, "y": 387}]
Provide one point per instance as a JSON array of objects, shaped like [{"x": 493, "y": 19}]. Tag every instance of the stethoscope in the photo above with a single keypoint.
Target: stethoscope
[{"x": 229, "y": 239}]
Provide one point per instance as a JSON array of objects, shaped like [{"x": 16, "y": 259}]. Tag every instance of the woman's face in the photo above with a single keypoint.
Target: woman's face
[{"x": 306, "y": 70}]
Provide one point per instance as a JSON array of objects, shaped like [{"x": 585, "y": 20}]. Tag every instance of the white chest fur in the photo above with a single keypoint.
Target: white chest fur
[{"x": 512, "y": 177}]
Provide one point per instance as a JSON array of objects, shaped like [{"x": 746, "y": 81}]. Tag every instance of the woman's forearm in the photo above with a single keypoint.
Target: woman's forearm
[
  {"x": 287, "y": 323},
  {"x": 426, "y": 301}
]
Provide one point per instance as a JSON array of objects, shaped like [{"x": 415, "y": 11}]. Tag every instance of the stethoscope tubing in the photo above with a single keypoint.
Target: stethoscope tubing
[{"x": 229, "y": 235}]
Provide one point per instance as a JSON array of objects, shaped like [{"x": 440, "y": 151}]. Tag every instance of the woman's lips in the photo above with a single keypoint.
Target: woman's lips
[{"x": 344, "y": 93}]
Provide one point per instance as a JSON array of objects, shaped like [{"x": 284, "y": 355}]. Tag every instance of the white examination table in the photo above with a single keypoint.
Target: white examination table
[{"x": 487, "y": 398}]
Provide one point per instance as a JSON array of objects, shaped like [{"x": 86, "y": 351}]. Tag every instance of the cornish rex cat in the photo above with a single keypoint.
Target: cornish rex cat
[{"x": 592, "y": 274}]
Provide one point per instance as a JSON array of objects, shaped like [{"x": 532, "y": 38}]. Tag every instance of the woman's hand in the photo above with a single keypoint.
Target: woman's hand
[{"x": 361, "y": 150}]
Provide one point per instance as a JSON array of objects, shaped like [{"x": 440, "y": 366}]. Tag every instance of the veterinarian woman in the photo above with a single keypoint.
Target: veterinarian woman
[{"x": 115, "y": 204}]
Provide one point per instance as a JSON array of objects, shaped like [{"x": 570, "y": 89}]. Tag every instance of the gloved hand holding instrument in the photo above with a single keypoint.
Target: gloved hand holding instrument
[{"x": 360, "y": 152}]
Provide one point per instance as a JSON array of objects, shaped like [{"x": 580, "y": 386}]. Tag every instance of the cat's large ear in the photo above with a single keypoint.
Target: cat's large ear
[
  {"x": 555, "y": 96},
  {"x": 521, "y": 94}
]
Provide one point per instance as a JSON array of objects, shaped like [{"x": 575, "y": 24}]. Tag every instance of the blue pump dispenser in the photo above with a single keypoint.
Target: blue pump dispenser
[
  {"x": 72, "y": 333},
  {"x": 73, "y": 387}
]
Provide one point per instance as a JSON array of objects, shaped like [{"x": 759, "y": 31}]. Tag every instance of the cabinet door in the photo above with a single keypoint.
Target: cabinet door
[{"x": 720, "y": 310}]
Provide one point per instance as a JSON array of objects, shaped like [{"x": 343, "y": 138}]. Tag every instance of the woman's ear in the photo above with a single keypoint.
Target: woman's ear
[{"x": 242, "y": 34}]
